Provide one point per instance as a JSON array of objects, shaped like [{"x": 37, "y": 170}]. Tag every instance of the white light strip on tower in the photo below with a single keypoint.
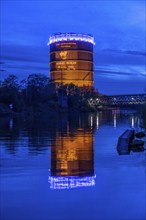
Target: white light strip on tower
[{"x": 71, "y": 37}]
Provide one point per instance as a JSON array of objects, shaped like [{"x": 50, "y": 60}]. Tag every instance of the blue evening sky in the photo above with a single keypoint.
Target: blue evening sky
[{"x": 118, "y": 27}]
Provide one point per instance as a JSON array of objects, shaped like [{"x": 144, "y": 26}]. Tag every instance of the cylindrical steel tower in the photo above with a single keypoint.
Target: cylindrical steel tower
[{"x": 71, "y": 59}]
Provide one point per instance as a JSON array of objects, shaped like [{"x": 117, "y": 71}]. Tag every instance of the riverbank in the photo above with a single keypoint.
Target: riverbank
[{"x": 43, "y": 109}]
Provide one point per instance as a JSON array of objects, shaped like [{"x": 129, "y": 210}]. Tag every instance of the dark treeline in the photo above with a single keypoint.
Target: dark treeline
[{"x": 37, "y": 94}]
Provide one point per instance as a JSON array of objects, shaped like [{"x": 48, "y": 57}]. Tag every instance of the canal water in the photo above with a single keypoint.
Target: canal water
[{"x": 66, "y": 167}]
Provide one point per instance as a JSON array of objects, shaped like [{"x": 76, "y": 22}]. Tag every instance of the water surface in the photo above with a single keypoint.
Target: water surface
[{"x": 66, "y": 167}]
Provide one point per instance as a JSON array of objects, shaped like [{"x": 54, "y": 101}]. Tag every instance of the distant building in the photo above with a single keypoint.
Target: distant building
[{"x": 71, "y": 59}]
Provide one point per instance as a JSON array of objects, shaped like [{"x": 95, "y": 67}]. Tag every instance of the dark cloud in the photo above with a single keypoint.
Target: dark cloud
[
  {"x": 26, "y": 67},
  {"x": 136, "y": 53},
  {"x": 114, "y": 58},
  {"x": 25, "y": 53},
  {"x": 113, "y": 73}
]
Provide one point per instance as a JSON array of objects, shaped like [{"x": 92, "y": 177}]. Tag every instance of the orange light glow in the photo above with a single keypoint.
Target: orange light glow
[
  {"x": 73, "y": 64},
  {"x": 72, "y": 155}
]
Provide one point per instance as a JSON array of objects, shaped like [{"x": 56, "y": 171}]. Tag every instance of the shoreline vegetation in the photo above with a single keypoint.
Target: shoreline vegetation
[{"x": 36, "y": 94}]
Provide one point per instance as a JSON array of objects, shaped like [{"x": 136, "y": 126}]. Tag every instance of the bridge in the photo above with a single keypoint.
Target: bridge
[{"x": 118, "y": 100}]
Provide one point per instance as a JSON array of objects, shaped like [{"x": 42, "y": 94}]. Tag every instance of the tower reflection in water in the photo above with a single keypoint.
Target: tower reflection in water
[
  {"x": 72, "y": 157},
  {"x": 72, "y": 147}
]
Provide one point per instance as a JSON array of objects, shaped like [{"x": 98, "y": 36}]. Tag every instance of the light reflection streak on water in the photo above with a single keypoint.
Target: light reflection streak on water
[
  {"x": 97, "y": 121},
  {"x": 91, "y": 121},
  {"x": 132, "y": 121},
  {"x": 115, "y": 120},
  {"x": 11, "y": 124},
  {"x": 138, "y": 122}
]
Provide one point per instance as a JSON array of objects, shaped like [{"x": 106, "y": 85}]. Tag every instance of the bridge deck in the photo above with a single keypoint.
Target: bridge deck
[{"x": 134, "y": 99}]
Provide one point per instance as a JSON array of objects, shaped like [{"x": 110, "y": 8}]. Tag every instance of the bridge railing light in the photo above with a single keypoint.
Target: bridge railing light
[{"x": 118, "y": 100}]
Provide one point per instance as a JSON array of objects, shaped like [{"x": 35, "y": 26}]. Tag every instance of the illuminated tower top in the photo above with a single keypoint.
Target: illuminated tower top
[{"x": 59, "y": 37}]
